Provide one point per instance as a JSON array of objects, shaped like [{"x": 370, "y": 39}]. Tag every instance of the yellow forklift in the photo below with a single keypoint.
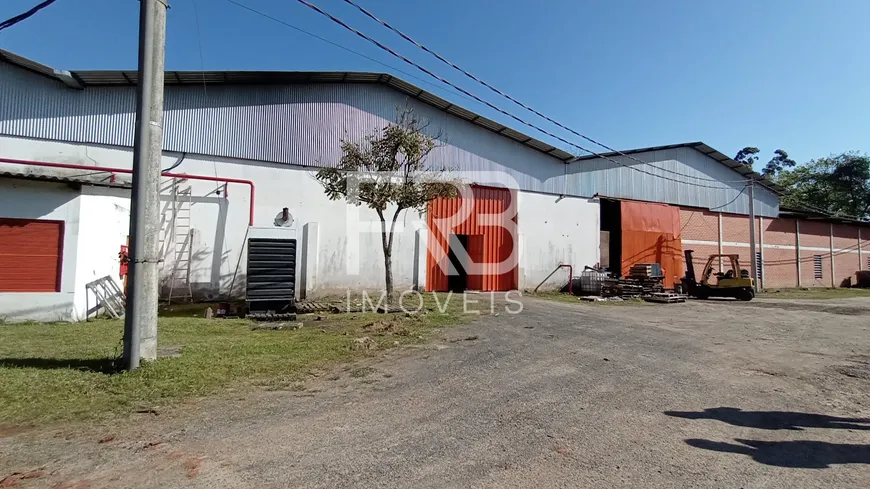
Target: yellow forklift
[{"x": 734, "y": 283}]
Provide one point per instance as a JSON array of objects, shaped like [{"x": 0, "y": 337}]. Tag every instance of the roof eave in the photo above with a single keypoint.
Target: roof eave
[{"x": 704, "y": 149}]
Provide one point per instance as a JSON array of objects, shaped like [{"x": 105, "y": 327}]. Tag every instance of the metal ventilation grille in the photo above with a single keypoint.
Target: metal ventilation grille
[
  {"x": 817, "y": 267},
  {"x": 271, "y": 269}
]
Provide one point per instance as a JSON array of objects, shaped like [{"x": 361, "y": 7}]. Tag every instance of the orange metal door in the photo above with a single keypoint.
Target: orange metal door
[
  {"x": 489, "y": 242},
  {"x": 651, "y": 234},
  {"x": 30, "y": 255}
]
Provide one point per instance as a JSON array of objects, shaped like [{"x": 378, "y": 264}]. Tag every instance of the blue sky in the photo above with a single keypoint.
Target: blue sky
[{"x": 790, "y": 74}]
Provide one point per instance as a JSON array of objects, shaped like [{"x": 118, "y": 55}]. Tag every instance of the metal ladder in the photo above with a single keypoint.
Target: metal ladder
[
  {"x": 109, "y": 296},
  {"x": 182, "y": 241}
]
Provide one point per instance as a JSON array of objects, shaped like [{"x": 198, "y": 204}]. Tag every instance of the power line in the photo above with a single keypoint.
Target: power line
[
  {"x": 827, "y": 213},
  {"x": 345, "y": 48},
  {"x": 714, "y": 208},
  {"x": 204, "y": 84},
  {"x": 490, "y": 105},
  {"x": 512, "y": 99},
  {"x": 732, "y": 200},
  {"x": 18, "y": 18}
]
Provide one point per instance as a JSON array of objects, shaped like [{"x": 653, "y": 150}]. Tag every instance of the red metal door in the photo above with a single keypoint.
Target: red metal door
[
  {"x": 491, "y": 233},
  {"x": 30, "y": 255},
  {"x": 651, "y": 234}
]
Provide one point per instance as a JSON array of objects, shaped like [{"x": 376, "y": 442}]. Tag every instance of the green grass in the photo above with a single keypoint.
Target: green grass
[
  {"x": 61, "y": 372},
  {"x": 813, "y": 293}
]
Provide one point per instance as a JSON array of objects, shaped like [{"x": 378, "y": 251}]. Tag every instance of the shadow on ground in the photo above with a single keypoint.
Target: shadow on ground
[
  {"x": 774, "y": 420},
  {"x": 792, "y": 454},
  {"x": 99, "y": 365}
]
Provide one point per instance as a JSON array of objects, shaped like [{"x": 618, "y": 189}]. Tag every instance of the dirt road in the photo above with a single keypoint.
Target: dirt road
[{"x": 772, "y": 394}]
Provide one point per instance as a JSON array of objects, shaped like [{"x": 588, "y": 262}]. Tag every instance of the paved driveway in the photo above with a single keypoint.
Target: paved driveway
[{"x": 766, "y": 394}]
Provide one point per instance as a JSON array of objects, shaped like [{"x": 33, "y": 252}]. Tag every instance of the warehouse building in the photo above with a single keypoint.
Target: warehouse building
[
  {"x": 242, "y": 155},
  {"x": 793, "y": 248},
  {"x": 243, "y": 151}
]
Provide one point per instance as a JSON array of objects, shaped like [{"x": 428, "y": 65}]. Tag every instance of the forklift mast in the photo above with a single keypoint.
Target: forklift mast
[{"x": 690, "y": 267}]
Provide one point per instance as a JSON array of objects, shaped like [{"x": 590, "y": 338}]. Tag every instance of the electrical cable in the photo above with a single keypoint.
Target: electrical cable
[
  {"x": 20, "y": 17},
  {"x": 204, "y": 84},
  {"x": 512, "y": 99},
  {"x": 345, "y": 48},
  {"x": 490, "y": 105},
  {"x": 477, "y": 99},
  {"x": 827, "y": 212},
  {"x": 732, "y": 200},
  {"x": 713, "y": 208}
]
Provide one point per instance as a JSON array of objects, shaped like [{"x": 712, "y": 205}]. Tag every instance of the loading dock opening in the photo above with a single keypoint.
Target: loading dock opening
[{"x": 457, "y": 280}]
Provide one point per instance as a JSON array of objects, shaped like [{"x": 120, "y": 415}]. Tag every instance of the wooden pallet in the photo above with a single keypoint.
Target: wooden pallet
[
  {"x": 307, "y": 307},
  {"x": 665, "y": 298}
]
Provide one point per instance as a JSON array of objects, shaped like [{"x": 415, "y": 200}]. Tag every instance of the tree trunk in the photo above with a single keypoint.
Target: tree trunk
[
  {"x": 387, "y": 245},
  {"x": 387, "y": 242},
  {"x": 388, "y": 274}
]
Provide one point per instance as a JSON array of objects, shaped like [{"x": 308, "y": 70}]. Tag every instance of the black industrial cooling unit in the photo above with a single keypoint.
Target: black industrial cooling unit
[{"x": 271, "y": 290}]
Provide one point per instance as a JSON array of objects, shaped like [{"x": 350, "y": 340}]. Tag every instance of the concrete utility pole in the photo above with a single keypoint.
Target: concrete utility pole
[
  {"x": 140, "y": 322},
  {"x": 752, "y": 254}
]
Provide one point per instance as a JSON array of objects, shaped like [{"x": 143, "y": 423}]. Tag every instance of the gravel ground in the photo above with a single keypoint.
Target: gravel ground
[{"x": 771, "y": 393}]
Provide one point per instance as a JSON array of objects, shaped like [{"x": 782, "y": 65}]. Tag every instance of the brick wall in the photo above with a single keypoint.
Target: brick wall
[
  {"x": 846, "y": 261},
  {"x": 696, "y": 224},
  {"x": 865, "y": 249},
  {"x": 776, "y": 239},
  {"x": 735, "y": 229},
  {"x": 815, "y": 242},
  {"x": 779, "y": 255}
]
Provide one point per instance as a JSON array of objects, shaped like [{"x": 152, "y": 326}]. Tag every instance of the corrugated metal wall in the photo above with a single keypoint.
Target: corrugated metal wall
[
  {"x": 294, "y": 124},
  {"x": 588, "y": 177},
  {"x": 304, "y": 125},
  {"x": 495, "y": 241}
]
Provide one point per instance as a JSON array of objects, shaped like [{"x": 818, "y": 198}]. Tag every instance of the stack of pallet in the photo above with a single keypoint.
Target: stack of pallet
[
  {"x": 665, "y": 297},
  {"x": 645, "y": 270}
]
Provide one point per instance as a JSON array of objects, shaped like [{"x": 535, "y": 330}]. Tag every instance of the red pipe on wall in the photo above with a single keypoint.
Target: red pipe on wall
[
  {"x": 107, "y": 169},
  {"x": 570, "y": 277}
]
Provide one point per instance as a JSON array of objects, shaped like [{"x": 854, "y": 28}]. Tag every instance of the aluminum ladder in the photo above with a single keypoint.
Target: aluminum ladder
[{"x": 182, "y": 241}]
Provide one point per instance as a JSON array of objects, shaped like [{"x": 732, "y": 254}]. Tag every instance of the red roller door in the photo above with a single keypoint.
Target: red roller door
[{"x": 30, "y": 255}]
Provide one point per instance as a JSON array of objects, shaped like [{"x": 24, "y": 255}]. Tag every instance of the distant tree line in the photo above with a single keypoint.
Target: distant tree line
[{"x": 838, "y": 184}]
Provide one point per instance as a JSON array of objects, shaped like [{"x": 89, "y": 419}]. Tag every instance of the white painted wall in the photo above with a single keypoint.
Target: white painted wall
[
  {"x": 104, "y": 222},
  {"x": 26, "y": 199},
  {"x": 220, "y": 221},
  {"x": 551, "y": 232},
  {"x": 555, "y": 231}
]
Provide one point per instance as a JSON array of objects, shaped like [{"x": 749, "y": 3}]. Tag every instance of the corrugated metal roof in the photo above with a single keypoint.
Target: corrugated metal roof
[
  {"x": 738, "y": 167},
  {"x": 27, "y": 64},
  {"x": 819, "y": 216},
  {"x": 99, "y": 179},
  {"x": 102, "y": 78}
]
